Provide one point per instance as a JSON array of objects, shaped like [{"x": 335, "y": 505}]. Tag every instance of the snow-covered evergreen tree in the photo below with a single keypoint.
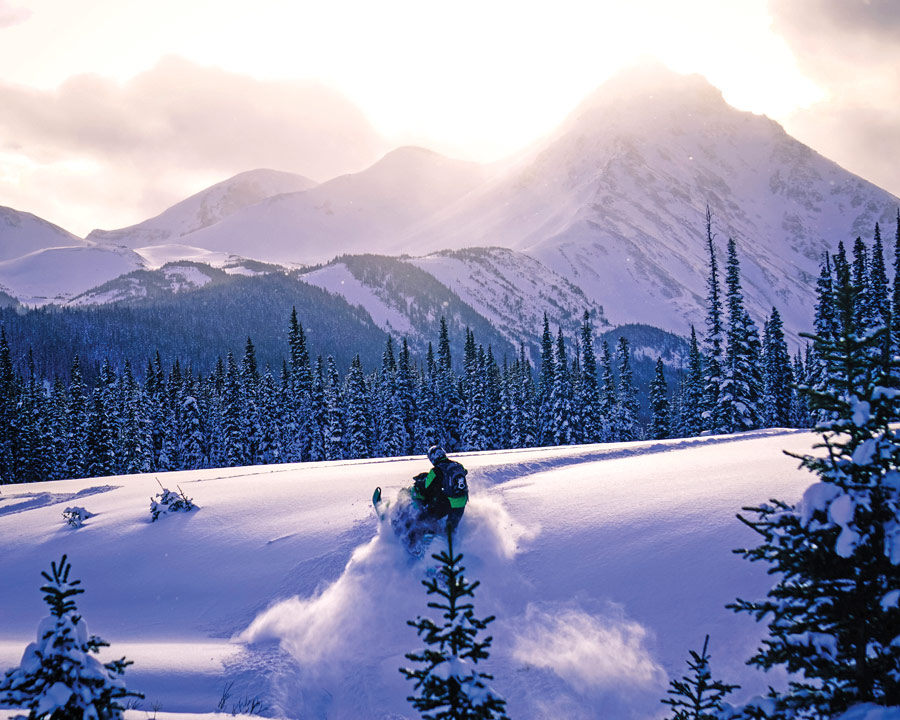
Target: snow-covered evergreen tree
[
  {"x": 777, "y": 374},
  {"x": 60, "y": 677},
  {"x": 359, "y": 419},
  {"x": 561, "y": 404},
  {"x": 625, "y": 424},
  {"x": 588, "y": 411},
  {"x": 713, "y": 419},
  {"x": 697, "y": 696},
  {"x": 742, "y": 385},
  {"x": 334, "y": 412},
  {"x": 834, "y": 614},
  {"x": 448, "y": 685},
  {"x": 609, "y": 394},
  {"x": 546, "y": 380},
  {"x": 692, "y": 392},
  {"x": 77, "y": 424},
  {"x": 660, "y": 422}
]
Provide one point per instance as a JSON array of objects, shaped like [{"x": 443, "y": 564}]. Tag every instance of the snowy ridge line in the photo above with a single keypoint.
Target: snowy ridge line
[
  {"x": 617, "y": 451},
  {"x": 47, "y": 498}
]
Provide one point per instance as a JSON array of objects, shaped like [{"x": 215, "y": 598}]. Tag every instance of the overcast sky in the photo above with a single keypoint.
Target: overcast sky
[{"x": 110, "y": 111}]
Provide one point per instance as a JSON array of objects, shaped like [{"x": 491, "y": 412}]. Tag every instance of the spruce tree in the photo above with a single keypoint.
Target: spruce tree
[
  {"x": 834, "y": 613},
  {"x": 697, "y": 696},
  {"x": 626, "y": 424},
  {"x": 448, "y": 684},
  {"x": 878, "y": 284},
  {"x": 545, "y": 387},
  {"x": 359, "y": 419},
  {"x": 660, "y": 423},
  {"x": 59, "y": 677},
  {"x": 692, "y": 394},
  {"x": 561, "y": 397},
  {"x": 739, "y": 397},
  {"x": 713, "y": 419},
  {"x": 608, "y": 394},
  {"x": 895, "y": 296},
  {"x": 777, "y": 374},
  {"x": 588, "y": 411}
]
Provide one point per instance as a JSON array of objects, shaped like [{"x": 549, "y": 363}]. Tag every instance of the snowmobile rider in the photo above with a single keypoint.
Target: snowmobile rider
[{"x": 442, "y": 491}]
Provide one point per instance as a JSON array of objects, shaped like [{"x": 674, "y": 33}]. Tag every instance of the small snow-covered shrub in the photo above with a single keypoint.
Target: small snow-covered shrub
[
  {"x": 169, "y": 501},
  {"x": 59, "y": 678},
  {"x": 75, "y": 516}
]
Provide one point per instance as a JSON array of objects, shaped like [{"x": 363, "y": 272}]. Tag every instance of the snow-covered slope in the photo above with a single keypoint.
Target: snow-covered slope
[
  {"x": 58, "y": 274},
  {"x": 603, "y": 564},
  {"x": 22, "y": 233},
  {"x": 615, "y": 202},
  {"x": 205, "y": 208},
  {"x": 357, "y": 213},
  {"x": 513, "y": 291}
]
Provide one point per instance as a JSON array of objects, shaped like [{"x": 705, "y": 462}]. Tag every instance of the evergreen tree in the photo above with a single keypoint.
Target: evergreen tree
[
  {"x": 334, "y": 413},
  {"x": 895, "y": 297},
  {"x": 76, "y": 430},
  {"x": 626, "y": 424},
  {"x": 834, "y": 614},
  {"x": 693, "y": 394},
  {"x": 697, "y": 696},
  {"x": 660, "y": 425},
  {"x": 878, "y": 284},
  {"x": 233, "y": 448},
  {"x": 448, "y": 685},
  {"x": 300, "y": 429},
  {"x": 589, "y": 415},
  {"x": 545, "y": 387},
  {"x": 8, "y": 402},
  {"x": 713, "y": 419},
  {"x": 609, "y": 394},
  {"x": 561, "y": 405},
  {"x": 526, "y": 412},
  {"x": 59, "y": 677},
  {"x": 359, "y": 421},
  {"x": 451, "y": 414},
  {"x": 739, "y": 396},
  {"x": 861, "y": 272},
  {"x": 777, "y": 374}
]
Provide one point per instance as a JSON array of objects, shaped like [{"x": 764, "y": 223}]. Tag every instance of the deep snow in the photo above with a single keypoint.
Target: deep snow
[{"x": 604, "y": 565}]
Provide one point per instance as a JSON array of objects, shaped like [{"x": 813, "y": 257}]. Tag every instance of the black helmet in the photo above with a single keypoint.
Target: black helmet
[{"x": 435, "y": 453}]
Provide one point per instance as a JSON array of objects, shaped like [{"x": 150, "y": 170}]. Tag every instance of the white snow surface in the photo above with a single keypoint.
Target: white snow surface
[
  {"x": 205, "y": 208},
  {"x": 604, "y": 565},
  {"x": 22, "y": 233},
  {"x": 336, "y": 278},
  {"x": 57, "y": 274},
  {"x": 512, "y": 290}
]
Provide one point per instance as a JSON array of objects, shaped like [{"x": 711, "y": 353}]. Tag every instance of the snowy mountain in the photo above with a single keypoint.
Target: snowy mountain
[
  {"x": 356, "y": 213},
  {"x": 513, "y": 291},
  {"x": 22, "y": 233},
  {"x": 490, "y": 290},
  {"x": 615, "y": 202},
  {"x": 57, "y": 274},
  {"x": 604, "y": 565},
  {"x": 205, "y": 208}
]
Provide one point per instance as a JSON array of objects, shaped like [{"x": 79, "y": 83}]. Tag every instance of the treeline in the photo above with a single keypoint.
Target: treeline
[{"x": 172, "y": 417}]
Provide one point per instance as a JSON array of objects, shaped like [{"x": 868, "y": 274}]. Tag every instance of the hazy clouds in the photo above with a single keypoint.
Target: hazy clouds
[
  {"x": 852, "y": 49},
  {"x": 10, "y": 15},
  {"x": 147, "y": 143}
]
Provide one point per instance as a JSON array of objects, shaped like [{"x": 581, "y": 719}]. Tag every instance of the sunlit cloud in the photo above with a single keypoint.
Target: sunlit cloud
[
  {"x": 168, "y": 132},
  {"x": 850, "y": 48},
  {"x": 11, "y": 15}
]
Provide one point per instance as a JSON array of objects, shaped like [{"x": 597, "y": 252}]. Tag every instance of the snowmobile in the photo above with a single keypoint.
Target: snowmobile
[{"x": 407, "y": 518}]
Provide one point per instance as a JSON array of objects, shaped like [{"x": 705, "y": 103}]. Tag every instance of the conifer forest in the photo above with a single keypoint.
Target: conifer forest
[{"x": 165, "y": 415}]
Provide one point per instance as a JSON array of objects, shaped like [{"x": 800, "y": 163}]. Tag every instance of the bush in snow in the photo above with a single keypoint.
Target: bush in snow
[
  {"x": 59, "y": 678},
  {"x": 75, "y": 516},
  {"x": 168, "y": 501},
  {"x": 449, "y": 686},
  {"x": 834, "y": 614},
  {"x": 697, "y": 696}
]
